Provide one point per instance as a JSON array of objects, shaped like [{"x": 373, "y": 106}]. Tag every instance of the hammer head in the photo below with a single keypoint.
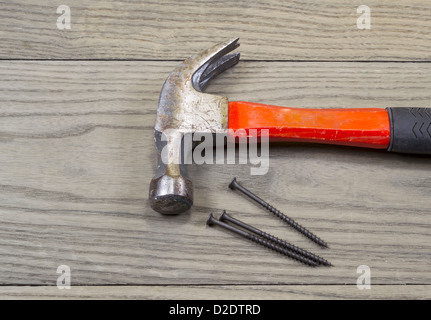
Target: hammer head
[{"x": 184, "y": 109}]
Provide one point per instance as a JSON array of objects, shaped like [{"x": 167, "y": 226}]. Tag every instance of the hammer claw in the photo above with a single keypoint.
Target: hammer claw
[
  {"x": 217, "y": 67},
  {"x": 218, "y": 61}
]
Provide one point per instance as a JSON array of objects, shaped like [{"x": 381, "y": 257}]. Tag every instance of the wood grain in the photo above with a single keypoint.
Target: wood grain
[
  {"x": 262, "y": 292},
  {"x": 269, "y": 30},
  {"x": 76, "y": 157}
]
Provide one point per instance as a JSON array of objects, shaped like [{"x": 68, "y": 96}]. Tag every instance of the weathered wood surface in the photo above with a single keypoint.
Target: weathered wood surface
[
  {"x": 248, "y": 292},
  {"x": 76, "y": 157},
  {"x": 269, "y": 30},
  {"x": 76, "y": 151}
]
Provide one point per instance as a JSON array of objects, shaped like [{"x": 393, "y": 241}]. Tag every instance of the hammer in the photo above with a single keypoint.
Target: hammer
[{"x": 184, "y": 109}]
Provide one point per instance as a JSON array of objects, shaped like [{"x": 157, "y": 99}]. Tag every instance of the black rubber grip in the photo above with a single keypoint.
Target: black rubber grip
[{"x": 410, "y": 130}]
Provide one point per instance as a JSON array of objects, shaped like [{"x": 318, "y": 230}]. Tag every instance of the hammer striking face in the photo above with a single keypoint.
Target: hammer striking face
[{"x": 184, "y": 109}]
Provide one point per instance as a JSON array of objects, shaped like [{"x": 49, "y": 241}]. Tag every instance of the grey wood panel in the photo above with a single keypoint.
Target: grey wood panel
[
  {"x": 76, "y": 157},
  {"x": 261, "y": 292},
  {"x": 269, "y": 30}
]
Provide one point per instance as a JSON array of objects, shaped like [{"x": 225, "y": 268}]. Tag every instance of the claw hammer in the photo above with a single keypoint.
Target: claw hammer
[{"x": 184, "y": 108}]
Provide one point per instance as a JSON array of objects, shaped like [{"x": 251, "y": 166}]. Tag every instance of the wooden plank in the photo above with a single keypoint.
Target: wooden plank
[
  {"x": 269, "y": 30},
  {"x": 262, "y": 292},
  {"x": 128, "y": 87},
  {"x": 76, "y": 152}
]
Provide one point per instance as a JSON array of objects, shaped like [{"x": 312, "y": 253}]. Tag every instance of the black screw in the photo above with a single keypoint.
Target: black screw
[
  {"x": 235, "y": 185},
  {"x": 282, "y": 243},
  {"x": 213, "y": 221}
]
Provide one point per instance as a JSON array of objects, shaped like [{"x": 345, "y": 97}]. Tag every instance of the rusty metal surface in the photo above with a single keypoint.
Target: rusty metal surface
[
  {"x": 183, "y": 109},
  {"x": 182, "y": 104}
]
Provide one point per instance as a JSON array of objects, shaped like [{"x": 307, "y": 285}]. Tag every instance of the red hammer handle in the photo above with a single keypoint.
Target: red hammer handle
[{"x": 369, "y": 127}]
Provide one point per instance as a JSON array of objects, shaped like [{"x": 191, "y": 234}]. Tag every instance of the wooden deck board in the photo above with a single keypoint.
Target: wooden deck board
[
  {"x": 77, "y": 155},
  {"x": 230, "y": 292},
  {"x": 269, "y": 30},
  {"x": 77, "y": 112}
]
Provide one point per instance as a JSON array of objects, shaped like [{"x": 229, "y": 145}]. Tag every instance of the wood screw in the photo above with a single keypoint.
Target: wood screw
[
  {"x": 213, "y": 221},
  {"x": 234, "y": 185},
  {"x": 280, "y": 242}
]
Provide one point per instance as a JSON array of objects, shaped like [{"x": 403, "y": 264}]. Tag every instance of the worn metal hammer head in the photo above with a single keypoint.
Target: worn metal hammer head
[{"x": 184, "y": 109}]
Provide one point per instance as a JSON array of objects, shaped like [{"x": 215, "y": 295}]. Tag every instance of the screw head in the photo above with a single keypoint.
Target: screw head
[
  {"x": 210, "y": 221},
  {"x": 222, "y": 217},
  {"x": 233, "y": 184}
]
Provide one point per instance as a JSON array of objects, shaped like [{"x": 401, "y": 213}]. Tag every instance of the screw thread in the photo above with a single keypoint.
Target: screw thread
[
  {"x": 235, "y": 185},
  {"x": 295, "y": 225},
  {"x": 281, "y": 250},
  {"x": 225, "y": 217},
  {"x": 296, "y": 249}
]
